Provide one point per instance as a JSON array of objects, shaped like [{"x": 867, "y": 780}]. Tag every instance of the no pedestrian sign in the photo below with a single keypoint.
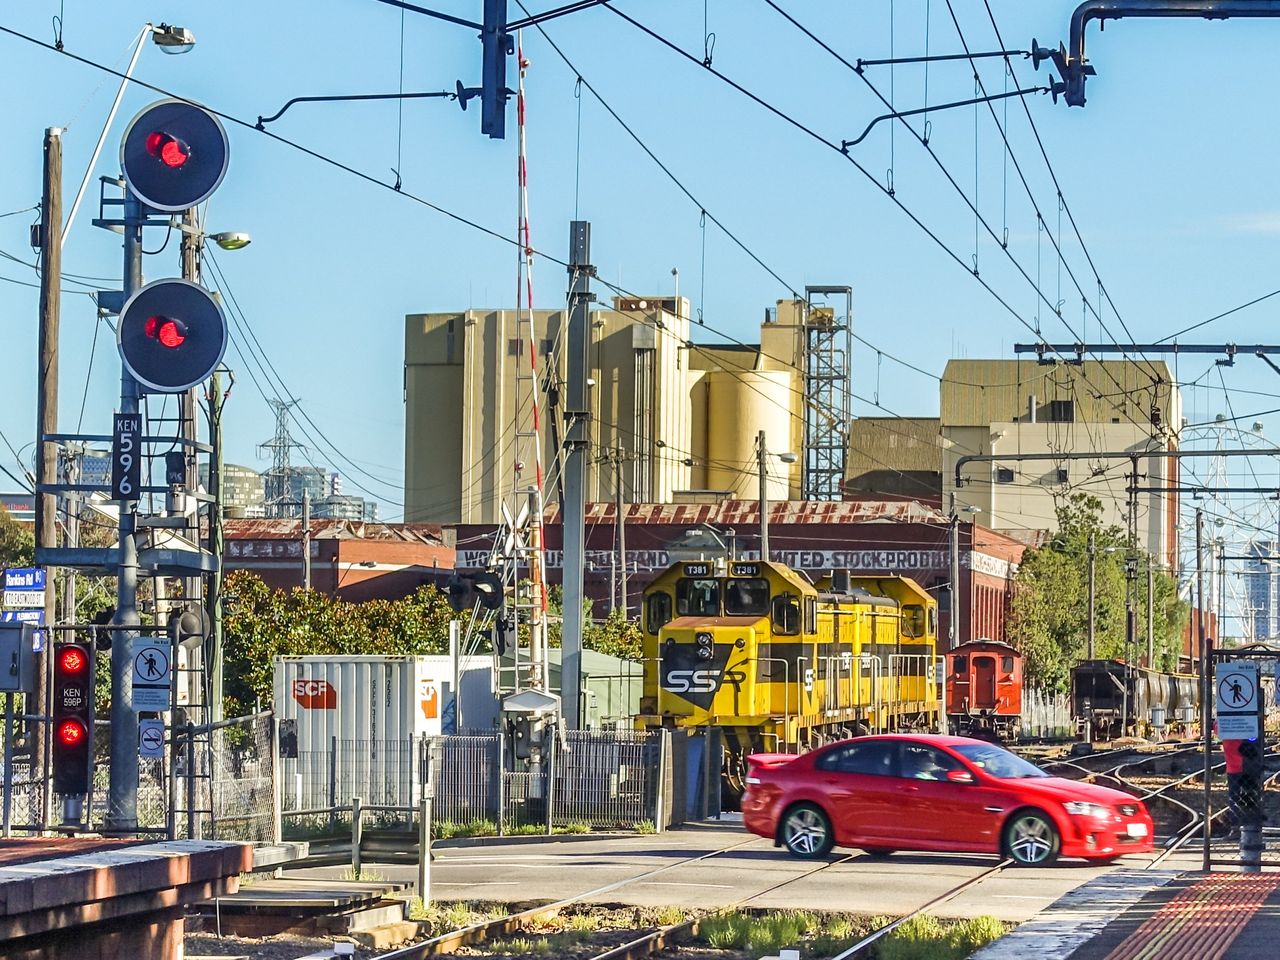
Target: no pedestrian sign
[
  {"x": 151, "y": 676},
  {"x": 1236, "y": 700}
]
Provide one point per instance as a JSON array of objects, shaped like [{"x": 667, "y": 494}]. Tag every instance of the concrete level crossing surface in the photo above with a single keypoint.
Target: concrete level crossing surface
[{"x": 856, "y": 883}]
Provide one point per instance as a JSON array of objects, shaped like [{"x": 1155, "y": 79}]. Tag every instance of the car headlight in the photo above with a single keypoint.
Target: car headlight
[
  {"x": 1078, "y": 808},
  {"x": 704, "y": 639}
]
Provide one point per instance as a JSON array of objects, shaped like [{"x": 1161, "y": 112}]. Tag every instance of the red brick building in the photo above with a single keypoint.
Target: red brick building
[
  {"x": 349, "y": 559},
  {"x": 867, "y": 537}
]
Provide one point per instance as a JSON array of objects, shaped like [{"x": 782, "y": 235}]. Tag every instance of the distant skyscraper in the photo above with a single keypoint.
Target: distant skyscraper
[{"x": 1262, "y": 591}]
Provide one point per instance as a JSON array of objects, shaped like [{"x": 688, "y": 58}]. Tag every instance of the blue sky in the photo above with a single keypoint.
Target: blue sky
[{"x": 1169, "y": 172}]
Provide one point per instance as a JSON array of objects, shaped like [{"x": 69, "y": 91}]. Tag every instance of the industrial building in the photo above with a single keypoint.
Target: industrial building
[
  {"x": 1063, "y": 412},
  {"x": 672, "y": 419},
  {"x": 902, "y": 538}
]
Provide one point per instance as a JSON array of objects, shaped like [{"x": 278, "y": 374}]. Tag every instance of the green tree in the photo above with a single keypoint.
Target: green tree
[
  {"x": 1048, "y": 616},
  {"x": 17, "y": 542},
  {"x": 262, "y": 623}
]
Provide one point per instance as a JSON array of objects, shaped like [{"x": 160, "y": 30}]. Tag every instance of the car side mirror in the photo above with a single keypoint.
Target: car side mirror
[{"x": 959, "y": 776}]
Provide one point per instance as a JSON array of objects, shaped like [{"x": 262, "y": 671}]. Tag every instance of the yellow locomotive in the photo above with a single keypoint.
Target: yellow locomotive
[{"x": 779, "y": 663}]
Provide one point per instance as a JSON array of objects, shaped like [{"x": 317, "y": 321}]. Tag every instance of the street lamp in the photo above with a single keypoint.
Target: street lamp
[{"x": 231, "y": 239}]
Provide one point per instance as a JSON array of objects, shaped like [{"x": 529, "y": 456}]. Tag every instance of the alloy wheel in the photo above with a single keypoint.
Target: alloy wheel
[
  {"x": 1031, "y": 840},
  {"x": 805, "y": 832}
]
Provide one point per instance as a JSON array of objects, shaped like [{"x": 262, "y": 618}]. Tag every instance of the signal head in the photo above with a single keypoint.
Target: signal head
[
  {"x": 172, "y": 335},
  {"x": 71, "y": 732},
  {"x": 174, "y": 155},
  {"x": 72, "y": 660}
]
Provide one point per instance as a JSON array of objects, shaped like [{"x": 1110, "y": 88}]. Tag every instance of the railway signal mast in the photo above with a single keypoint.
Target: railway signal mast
[{"x": 171, "y": 336}]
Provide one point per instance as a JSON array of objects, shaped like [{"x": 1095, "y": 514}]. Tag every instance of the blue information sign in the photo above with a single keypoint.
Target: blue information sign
[{"x": 24, "y": 578}]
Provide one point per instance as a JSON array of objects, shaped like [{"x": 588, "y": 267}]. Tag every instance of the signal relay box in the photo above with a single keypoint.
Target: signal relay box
[{"x": 17, "y": 658}]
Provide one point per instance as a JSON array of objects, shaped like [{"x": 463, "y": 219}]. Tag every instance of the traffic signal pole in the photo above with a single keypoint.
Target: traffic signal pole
[{"x": 122, "y": 795}]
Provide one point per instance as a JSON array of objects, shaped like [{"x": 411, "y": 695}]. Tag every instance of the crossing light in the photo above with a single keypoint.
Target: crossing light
[
  {"x": 172, "y": 335},
  {"x": 73, "y": 673},
  {"x": 174, "y": 155}
]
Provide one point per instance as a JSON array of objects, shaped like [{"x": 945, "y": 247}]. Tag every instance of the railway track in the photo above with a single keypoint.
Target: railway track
[{"x": 643, "y": 946}]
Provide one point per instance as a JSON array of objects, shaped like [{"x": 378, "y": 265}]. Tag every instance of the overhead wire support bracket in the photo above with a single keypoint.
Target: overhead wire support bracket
[
  {"x": 1072, "y": 64},
  {"x": 936, "y": 58},
  {"x": 899, "y": 114},
  {"x": 460, "y": 93},
  {"x": 1230, "y": 350}
]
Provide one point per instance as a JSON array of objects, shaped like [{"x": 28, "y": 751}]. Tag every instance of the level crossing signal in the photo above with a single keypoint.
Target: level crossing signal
[
  {"x": 172, "y": 335},
  {"x": 73, "y": 695},
  {"x": 174, "y": 155}
]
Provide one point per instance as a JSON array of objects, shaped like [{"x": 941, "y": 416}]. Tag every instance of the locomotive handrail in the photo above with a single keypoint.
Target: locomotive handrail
[{"x": 786, "y": 691}]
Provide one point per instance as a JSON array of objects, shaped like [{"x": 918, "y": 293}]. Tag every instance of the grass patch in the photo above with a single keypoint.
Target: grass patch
[
  {"x": 366, "y": 875},
  {"x": 670, "y": 916},
  {"x": 574, "y": 826},
  {"x": 928, "y": 938},
  {"x": 767, "y": 933},
  {"x": 644, "y": 826},
  {"x": 448, "y": 830}
]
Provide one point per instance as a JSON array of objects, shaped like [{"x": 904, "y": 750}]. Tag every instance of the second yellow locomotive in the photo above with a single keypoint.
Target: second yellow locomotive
[{"x": 777, "y": 662}]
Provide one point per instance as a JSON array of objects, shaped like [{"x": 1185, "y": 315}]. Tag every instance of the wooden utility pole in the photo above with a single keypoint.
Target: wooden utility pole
[{"x": 47, "y": 425}]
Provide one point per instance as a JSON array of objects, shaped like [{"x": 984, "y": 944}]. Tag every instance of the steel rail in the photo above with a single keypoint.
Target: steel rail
[
  {"x": 477, "y": 932},
  {"x": 651, "y": 943},
  {"x": 860, "y": 948}
]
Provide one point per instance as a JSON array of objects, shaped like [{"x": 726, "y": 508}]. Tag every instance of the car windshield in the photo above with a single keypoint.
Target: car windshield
[{"x": 997, "y": 762}]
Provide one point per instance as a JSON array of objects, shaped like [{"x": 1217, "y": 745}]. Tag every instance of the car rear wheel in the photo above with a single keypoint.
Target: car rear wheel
[
  {"x": 806, "y": 832},
  {"x": 1031, "y": 839}
]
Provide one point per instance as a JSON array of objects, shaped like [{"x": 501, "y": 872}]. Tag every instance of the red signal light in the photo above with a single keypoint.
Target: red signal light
[
  {"x": 71, "y": 732},
  {"x": 169, "y": 150},
  {"x": 171, "y": 333},
  {"x": 72, "y": 660}
]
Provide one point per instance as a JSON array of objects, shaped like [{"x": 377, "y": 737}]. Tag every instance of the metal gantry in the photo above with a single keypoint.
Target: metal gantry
[{"x": 828, "y": 394}]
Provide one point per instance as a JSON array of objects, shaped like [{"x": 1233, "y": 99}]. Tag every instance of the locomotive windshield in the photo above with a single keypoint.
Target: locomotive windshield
[
  {"x": 697, "y": 598},
  {"x": 913, "y": 620},
  {"x": 746, "y": 597}
]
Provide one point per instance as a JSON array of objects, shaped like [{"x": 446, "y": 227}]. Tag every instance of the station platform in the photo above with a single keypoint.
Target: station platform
[{"x": 1155, "y": 915}]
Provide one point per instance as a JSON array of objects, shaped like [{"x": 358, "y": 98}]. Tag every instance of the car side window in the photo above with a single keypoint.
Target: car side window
[
  {"x": 921, "y": 762},
  {"x": 872, "y": 758}
]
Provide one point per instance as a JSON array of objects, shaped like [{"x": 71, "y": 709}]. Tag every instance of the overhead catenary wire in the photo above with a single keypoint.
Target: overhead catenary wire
[
  {"x": 923, "y": 139},
  {"x": 892, "y": 197}
]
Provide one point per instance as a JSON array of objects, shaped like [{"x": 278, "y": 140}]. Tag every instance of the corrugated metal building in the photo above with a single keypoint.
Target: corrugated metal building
[
  {"x": 867, "y": 537},
  {"x": 895, "y": 456}
]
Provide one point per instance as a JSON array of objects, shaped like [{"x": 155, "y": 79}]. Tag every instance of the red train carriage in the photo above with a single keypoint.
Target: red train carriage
[{"x": 984, "y": 689}]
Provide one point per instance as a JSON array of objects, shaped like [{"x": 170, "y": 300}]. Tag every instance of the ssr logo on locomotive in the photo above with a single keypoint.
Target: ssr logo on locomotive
[
  {"x": 315, "y": 694},
  {"x": 692, "y": 681}
]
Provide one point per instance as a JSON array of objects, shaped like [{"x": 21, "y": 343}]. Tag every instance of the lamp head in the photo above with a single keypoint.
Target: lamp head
[{"x": 173, "y": 40}]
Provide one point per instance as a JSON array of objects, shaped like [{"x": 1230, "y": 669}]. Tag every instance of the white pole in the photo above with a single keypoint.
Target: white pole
[{"x": 106, "y": 128}]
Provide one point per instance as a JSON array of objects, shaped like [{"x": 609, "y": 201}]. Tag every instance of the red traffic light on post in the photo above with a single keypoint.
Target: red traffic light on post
[
  {"x": 73, "y": 691},
  {"x": 174, "y": 155},
  {"x": 171, "y": 335}
]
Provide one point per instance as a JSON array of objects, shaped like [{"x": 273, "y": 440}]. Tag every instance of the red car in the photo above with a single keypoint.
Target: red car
[{"x": 887, "y": 793}]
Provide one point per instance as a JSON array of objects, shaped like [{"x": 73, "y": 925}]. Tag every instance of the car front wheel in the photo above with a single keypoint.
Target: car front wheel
[
  {"x": 1031, "y": 839},
  {"x": 806, "y": 832}
]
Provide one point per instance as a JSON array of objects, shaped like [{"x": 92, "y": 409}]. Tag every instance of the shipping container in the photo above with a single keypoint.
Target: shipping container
[
  {"x": 354, "y": 723},
  {"x": 378, "y": 698}
]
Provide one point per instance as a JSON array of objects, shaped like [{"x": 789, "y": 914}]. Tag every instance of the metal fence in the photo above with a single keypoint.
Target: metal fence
[
  {"x": 1046, "y": 715},
  {"x": 597, "y": 778},
  {"x": 243, "y": 761}
]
